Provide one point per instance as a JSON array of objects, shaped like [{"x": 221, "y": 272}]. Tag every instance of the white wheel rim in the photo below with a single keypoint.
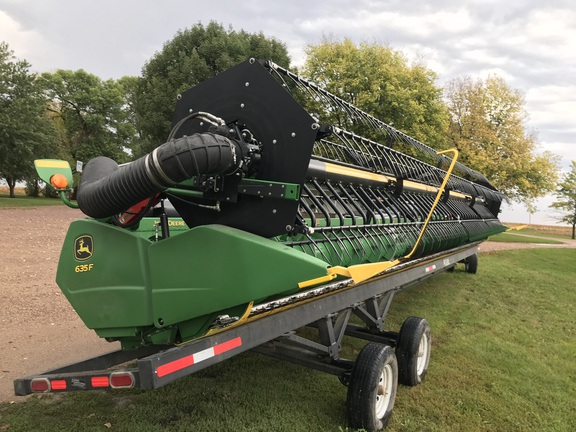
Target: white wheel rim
[
  {"x": 384, "y": 391},
  {"x": 423, "y": 353}
]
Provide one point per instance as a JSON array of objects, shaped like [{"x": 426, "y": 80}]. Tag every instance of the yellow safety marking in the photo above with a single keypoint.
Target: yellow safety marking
[
  {"x": 352, "y": 172},
  {"x": 48, "y": 163},
  {"x": 516, "y": 228},
  {"x": 316, "y": 281},
  {"x": 361, "y": 272}
]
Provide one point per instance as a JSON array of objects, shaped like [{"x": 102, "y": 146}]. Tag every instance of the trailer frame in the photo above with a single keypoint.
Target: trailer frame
[{"x": 273, "y": 334}]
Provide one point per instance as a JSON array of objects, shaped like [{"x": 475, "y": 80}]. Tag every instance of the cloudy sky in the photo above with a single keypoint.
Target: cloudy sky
[{"x": 531, "y": 43}]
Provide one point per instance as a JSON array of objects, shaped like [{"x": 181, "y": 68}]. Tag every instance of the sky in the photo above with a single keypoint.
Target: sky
[{"x": 530, "y": 43}]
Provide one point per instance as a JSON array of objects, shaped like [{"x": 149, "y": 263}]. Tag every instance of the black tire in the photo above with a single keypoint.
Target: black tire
[
  {"x": 372, "y": 388},
  {"x": 471, "y": 264},
  {"x": 413, "y": 351}
]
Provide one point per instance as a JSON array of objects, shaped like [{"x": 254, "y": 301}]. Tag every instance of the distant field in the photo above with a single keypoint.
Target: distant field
[
  {"x": 21, "y": 200},
  {"x": 513, "y": 238},
  {"x": 548, "y": 230},
  {"x": 502, "y": 360}
]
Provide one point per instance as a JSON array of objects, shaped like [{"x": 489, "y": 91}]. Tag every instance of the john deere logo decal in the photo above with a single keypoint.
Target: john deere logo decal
[{"x": 83, "y": 247}]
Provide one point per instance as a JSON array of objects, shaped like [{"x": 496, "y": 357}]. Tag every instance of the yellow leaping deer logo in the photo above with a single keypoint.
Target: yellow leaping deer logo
[{"x": 83, "y": 247}]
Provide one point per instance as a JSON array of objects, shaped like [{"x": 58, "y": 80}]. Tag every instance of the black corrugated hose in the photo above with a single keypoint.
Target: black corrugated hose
[{"x": 107, "y": 189}]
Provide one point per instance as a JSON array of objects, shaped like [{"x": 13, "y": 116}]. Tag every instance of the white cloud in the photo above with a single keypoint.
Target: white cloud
[{"x": 23, "y": 42}]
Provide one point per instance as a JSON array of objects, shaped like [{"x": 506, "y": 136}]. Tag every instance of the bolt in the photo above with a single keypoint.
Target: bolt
[
  {"x": 274, "y": 211},
  {"x": 274, "y": 141},
  {"x": 293, "y": 134},
  {"x": 315, "y": 126},
  {"x": 178, "y": 96},
  {"x": 288, "y": 227},
  {"x": 201, "y": 123},
  {"x": 247, "y": 84},
  {"x": 241, "y": 105}
]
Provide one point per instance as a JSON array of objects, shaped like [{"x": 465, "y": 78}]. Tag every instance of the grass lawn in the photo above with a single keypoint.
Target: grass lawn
[
  {"x": 502, "y": 360},
  {"x": 26, "y": 201},
  {"x": 513, "y": 238}
]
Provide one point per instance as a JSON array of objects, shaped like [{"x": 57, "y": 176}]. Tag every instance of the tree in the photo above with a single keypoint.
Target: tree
[
  {"x": 25, "y": 131},
  {"x": 487, "y": 125},
  {"x": 193, "y": 56},
  {"x": 90, "y": 114},
  {"x": 566, "y": 194},
  {"x": 381, "y": 81}
]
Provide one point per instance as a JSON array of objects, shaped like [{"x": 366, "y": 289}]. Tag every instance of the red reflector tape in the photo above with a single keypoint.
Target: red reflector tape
[
  {"x": 58, "y": 384},
  {"x": 198, "y": 357},
  {"x": 174, "y": 366},
  {"x": 101, "y": 381},
  {"x": 429, "y": 269},
  {"x": 227, "y": 346}
]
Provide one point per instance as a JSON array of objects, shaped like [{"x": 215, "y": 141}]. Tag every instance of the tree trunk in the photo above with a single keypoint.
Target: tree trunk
[
  {"x": 11, "y": 185},
  {"x": 574, "y": 231}
]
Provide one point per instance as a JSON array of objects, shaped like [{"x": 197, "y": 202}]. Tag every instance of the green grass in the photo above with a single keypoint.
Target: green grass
[
  {"x": 26, "y": 201},
  {"x": 513, "y": 238},
  {"x": 502, "y": 360}
]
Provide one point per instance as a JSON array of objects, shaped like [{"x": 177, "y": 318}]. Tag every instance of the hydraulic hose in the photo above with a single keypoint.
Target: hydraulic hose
[{"x": 107, "y": 189}]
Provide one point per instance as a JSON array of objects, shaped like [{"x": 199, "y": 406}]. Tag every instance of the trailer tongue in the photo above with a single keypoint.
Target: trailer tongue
[{"x": 291, "y": 207}]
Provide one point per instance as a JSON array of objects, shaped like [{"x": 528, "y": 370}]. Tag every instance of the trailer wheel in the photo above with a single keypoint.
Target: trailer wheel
[
  {"x": 413, "y": 351},
  {"x": 372, "y": 388},
  {"x": 471, "y": 264}
]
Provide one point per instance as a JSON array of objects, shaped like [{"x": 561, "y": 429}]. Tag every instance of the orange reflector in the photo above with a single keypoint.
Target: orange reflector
[
  {"x": 59, "y": 181},
  {"x": 101, "y": 381},
  {"x": 40, "y": 385},
  {"x": 58, "y": 384},
  {"x": 121, "y": 380}
]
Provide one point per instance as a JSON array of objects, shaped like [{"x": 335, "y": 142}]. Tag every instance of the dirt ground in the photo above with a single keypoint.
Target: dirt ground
[{"x": 40, "y": 330}]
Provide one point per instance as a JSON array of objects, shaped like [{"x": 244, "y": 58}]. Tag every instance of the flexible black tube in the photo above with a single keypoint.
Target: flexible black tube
[{"x": 107, "y": 189}]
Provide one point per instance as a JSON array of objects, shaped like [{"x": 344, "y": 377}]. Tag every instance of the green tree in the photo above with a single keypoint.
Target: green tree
[
  {"x": 90, "y": 114},
  {"x": 487, "y": 125},
  {"x": 382, "y": 82},
  {"x": 26, "y": 133},
  {"x": 193, "y": 56},
  {"x": 566, "y": 195}
]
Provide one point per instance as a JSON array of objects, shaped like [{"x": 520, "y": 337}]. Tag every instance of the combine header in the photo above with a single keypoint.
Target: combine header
[{"x": 273, "y": 205}]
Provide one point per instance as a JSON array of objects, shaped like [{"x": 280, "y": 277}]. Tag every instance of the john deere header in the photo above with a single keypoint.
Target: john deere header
[{"x": 267, "y": 185}]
